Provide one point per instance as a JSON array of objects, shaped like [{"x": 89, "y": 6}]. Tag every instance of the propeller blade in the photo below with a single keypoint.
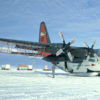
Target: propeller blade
[
  {"x": 61, "y": 35},
  {"x": 59, "y": 52},
  {"x": 65, "y": 48},
  {"x": 70, "y": 56},
  {"x": 85, "y": 44},
  {"x": 96, "y": 56},
  {"x": 88, "y": 57},
  {"x": 93, "y": 43},
  {"x": 91, "y": 50},
  {"x": 72, "y": 41}
]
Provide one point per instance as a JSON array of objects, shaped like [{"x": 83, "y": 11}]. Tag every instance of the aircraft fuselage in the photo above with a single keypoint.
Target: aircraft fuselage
[{"x": 84, "y": 68}]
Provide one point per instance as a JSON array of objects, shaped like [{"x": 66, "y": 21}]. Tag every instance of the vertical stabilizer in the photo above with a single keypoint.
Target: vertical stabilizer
[{"x": 44, "y": 36}]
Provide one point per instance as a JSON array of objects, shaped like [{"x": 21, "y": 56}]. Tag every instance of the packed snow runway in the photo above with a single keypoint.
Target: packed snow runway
[{"x": 39, "y": 85}]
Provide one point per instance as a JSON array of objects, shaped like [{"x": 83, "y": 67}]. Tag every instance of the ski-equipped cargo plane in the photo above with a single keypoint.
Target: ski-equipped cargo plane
[{"x": 82, "y": 61}]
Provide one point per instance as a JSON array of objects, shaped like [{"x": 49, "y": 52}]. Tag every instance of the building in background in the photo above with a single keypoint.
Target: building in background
[
  {"x": 5, "y": 67},
  {"x": 46, "y": 68},
  {"x": 24, "y": 67}
]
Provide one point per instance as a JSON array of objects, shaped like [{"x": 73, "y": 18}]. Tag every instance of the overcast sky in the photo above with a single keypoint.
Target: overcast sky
[{"x": 20, "y": 19}]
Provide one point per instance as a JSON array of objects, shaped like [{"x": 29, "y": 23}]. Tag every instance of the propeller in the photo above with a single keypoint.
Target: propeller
[
  {"x": 93, "y": 43},
  {"x": 65, "y": 48},
  {"x": 61, "y": 35},
  {"x": 90, "y": 50}
]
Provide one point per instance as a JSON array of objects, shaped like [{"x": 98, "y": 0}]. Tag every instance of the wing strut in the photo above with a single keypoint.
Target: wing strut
[{"x": 53, "y": 70}]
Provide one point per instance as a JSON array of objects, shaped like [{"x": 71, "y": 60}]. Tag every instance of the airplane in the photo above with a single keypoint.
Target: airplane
[{"x": 79, "y": 61}]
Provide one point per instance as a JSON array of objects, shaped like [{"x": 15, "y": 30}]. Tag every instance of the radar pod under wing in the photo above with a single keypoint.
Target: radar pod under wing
[
  {"x": 15, "y": 51},
  {"x": 24, "y": 54}
]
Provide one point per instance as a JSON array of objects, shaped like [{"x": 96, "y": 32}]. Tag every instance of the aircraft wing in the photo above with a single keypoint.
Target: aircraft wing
[
  {"x": 44, "y": 47},
  {"x": 22, "y": 42}
]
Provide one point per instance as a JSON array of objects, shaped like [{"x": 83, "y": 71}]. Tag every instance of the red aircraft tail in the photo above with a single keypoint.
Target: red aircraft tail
[{"x": 44, "y": 37}]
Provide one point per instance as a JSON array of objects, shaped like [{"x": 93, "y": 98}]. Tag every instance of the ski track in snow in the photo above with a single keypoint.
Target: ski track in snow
[{"x": 39, "y": 85}]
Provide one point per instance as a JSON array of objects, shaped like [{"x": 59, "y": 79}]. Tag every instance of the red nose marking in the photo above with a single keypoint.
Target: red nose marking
[{"x": 92, "y": 64}]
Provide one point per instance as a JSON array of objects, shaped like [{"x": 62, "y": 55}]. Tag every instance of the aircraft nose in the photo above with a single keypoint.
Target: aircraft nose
[
  {"x": 45, "y": 58},
  {"x": 49, "y": 58}
]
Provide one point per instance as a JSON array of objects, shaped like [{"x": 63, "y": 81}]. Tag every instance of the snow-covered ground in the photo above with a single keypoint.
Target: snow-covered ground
[{"x": 39, "y": 85}]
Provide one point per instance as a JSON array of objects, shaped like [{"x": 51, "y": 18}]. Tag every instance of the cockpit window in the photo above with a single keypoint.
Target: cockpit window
[{"x": 92, "y": 60}]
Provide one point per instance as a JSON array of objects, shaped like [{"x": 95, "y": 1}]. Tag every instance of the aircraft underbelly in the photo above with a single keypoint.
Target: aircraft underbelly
[
  {"x": 82, "y": 67},
  {"x": 84, "y": 74},
  {"x": 61, "y": 65},
  {"x": 77, "y": 67}
]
